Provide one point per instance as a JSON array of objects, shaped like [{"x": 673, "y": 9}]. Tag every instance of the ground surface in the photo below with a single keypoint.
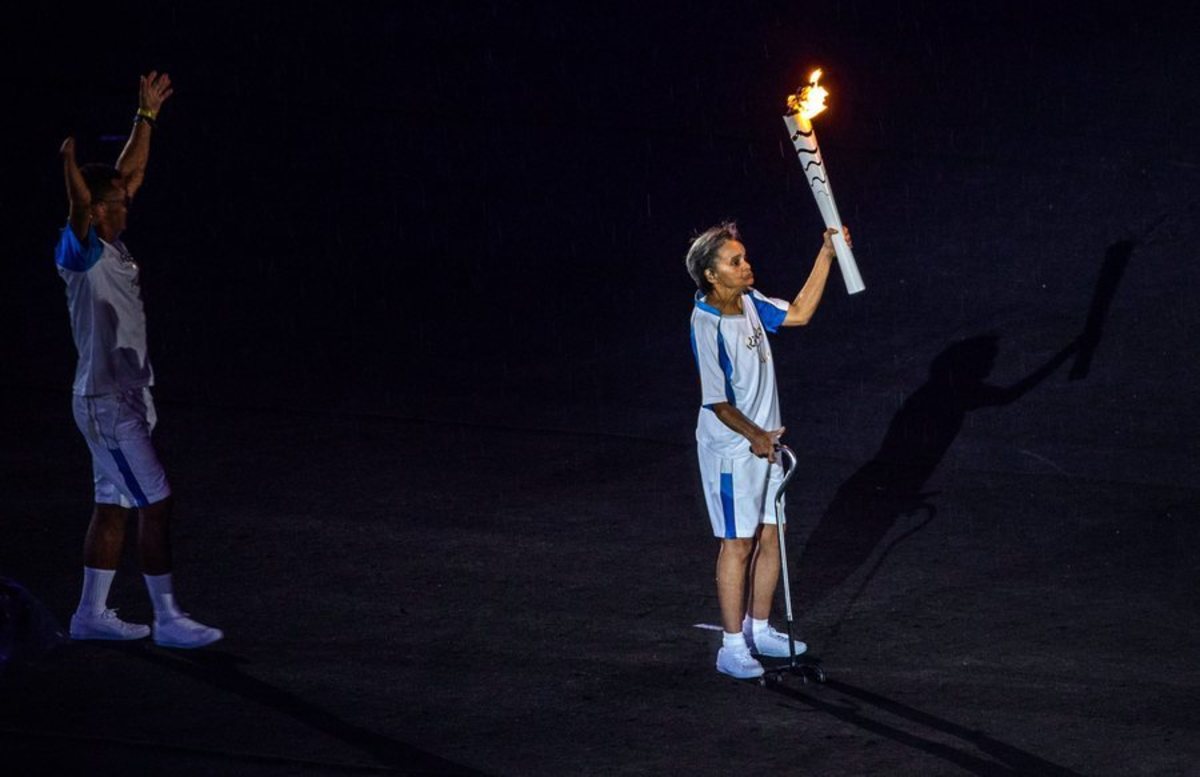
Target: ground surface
[{"x": 466, "y": 594}]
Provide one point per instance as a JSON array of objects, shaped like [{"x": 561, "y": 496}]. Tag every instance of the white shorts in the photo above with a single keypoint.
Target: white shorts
[
  {"x": 739, "y": 492},
  {"x": 124, "y": 465}
]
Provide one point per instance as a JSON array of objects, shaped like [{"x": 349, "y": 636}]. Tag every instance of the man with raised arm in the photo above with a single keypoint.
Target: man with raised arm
[
  {"x": 737, "y": 431},
  {"x": 112, "y": 403}
]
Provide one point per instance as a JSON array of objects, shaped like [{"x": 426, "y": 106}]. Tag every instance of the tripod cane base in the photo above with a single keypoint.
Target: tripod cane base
[{"x": 807, "y": 669}]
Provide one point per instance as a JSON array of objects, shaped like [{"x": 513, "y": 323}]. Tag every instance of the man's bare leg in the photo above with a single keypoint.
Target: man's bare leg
[
  {"x": 105, "y": 536},
  {"x": 154, "y": 551},
  {"x": 172, "y": 627},
  {"x": 101, "y": 554},
  {"x": 154, "y": 537}
]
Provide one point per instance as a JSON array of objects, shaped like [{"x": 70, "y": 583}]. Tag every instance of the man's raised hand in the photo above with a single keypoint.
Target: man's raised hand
[{"x": 153, "y": 90}]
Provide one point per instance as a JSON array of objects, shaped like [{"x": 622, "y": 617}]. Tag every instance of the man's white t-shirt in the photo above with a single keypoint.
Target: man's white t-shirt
[{"x": 107, "y": 318}]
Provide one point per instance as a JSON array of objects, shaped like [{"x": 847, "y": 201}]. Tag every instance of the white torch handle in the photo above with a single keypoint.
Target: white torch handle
[
  {"x": 811, "y": 162},
  {"x": 845, "y": 257}
]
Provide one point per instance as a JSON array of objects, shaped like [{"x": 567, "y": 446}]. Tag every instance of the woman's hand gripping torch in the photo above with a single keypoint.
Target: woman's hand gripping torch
[{"x": 802, "y": 108}]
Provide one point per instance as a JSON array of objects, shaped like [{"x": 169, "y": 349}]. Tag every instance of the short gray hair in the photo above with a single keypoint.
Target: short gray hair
[{"x": 702, "y": 256}]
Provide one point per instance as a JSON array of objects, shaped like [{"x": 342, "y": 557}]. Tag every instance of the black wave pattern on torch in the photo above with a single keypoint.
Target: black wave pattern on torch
[{"x": 815, "y": 152}]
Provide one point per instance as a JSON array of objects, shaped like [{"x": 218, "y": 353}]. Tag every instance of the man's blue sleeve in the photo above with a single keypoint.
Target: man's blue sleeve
[{"x": 72, "y": 255}]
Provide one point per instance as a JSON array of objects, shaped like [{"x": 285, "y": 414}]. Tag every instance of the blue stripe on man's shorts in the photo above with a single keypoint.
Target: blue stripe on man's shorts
[
  {"x": 139, "y": 497},
  {"x": 727, "y": 505}
]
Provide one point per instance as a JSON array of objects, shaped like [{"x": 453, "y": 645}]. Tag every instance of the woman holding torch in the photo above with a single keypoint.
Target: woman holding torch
[{"x": 738, "y": 429}]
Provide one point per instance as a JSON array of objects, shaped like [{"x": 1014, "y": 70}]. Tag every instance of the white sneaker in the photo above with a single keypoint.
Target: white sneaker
[
  {"x": 738, "y": 663},
  {"x": 183, "y": 632},
  {"x": 770, "y": 642},
  {"x": 105, "y": 625}
]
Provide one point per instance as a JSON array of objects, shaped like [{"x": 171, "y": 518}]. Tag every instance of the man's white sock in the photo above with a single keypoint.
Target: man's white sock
[
  {"x": 162, "y": 596},
  {"x": 96, "y": 582}
]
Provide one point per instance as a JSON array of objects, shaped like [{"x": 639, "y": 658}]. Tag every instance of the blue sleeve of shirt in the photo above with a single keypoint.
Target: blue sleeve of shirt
[
  {"x": 72, "y": 255},
  {"x": 768, "y": 311}
]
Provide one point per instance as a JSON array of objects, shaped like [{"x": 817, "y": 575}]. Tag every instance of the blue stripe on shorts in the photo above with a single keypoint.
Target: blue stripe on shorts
[
  {"x": 139, "y": 497},
  {"x": 727, "y": 505}
]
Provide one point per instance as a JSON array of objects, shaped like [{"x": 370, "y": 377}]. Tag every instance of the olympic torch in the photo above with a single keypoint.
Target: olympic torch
[{"x": 802, "y": 107}]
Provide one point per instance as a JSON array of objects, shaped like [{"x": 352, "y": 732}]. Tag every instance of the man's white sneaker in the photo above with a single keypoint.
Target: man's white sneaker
[
  {"x": 770, "y": 642},
  {"x": 183, "y": 632},
  {"x": 738, "y": 663},
  {"x": 105, "y": 625}
]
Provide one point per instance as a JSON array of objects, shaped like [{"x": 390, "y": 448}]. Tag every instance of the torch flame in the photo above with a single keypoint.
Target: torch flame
[{"x": 811, "y": 99}]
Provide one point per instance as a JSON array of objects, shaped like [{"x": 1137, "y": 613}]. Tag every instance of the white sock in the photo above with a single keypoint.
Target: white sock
[
  {"x": 96, "y": 582},
  {"x": 162, "y": 596},
  {"x": 754, "y": 625},
  {"x": 735, "y": 641}
]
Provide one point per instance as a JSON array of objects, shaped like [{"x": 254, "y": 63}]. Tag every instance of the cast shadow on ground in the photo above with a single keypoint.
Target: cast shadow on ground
[
  {"x": 889, "y": 487},
  {"x": 221, "y": 670},
  {"x": 1115, "y": 260},
  {"x": 851, "y": 709},
  {"x": 867, "y": 506}
]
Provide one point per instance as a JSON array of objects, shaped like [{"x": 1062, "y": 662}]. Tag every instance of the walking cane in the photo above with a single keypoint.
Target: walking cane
[{"x": 809, "y": 668}]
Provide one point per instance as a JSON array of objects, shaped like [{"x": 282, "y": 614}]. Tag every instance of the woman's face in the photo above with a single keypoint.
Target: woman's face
[{"x": 731, "y": 274}]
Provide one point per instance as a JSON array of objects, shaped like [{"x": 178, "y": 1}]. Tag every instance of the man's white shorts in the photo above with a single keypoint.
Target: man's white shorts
[
  {"x": 124, "y": 465},
  {"x": 739, "y": 492}
]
